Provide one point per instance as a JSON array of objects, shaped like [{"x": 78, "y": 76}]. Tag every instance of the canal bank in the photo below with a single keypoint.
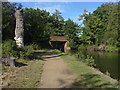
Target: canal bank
[
  {"x": 105, "y": 61},
  {"x": 88, "y": 77}
]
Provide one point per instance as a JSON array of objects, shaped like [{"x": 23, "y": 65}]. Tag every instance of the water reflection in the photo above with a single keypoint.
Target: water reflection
[{"x": 107, "y": 62}]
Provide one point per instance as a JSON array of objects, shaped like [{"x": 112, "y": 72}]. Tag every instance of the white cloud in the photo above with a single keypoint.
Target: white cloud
[{"x": 51, "y": 9}]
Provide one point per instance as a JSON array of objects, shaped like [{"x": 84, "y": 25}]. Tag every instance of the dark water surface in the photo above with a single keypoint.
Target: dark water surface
[{"x": 107, "y": 62}]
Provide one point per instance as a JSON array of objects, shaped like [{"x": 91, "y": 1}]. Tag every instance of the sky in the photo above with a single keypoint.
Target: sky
[{"x": 70, "y": 10}]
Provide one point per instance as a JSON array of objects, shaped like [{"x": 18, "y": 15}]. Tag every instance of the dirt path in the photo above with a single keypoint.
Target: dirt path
[{"x": 56, "y": 73}]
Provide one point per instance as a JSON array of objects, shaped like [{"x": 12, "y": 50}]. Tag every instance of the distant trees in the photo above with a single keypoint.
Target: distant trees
[
  {"x": 57, "y": 27},
  {"x": 101, "y": 26},
  {"x": 39, "y": 25},
  {"x": 36, "y": 25},
  {"x": 71, "y": 29},
  {"x": 8, "y": 19}
]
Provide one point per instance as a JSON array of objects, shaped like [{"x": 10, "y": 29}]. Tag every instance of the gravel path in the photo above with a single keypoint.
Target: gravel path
[{"x": 56, "y": 73}]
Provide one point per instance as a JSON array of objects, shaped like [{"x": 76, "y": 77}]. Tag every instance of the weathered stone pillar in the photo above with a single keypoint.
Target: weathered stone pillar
[{"x": 19, "y": 30}]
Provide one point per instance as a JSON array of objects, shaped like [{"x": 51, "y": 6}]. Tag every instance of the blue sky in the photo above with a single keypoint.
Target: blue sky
[{"x": 70, "y": 10}]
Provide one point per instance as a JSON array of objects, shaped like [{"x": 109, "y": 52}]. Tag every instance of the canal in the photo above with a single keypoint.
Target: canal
[{"x": 107, "y": 62}]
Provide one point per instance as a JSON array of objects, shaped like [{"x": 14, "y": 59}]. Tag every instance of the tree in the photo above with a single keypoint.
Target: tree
[
  {"x": 36, "y": 26},
  {"x": 71, "y": 30},
  {"x": 57, "y": 24},
  {"x": 101, "y": 26},
  {"x": 8, "y": 19},
  {"x": 111, "y": 34},
  {"x": 88, "y": 36}
]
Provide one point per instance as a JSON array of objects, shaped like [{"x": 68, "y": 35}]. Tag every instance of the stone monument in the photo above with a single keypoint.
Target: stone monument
[{"x": 19, "y": 30}]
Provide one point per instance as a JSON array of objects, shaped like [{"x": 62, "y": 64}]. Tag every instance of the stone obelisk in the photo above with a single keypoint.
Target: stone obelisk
[{"x": 19, "y": 30}]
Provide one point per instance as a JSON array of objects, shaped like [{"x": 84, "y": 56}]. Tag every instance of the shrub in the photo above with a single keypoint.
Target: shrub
[
  {"x": 26, "y": 52},
  {"x": 80, "y": 55},
  {"x": 111, "y": 49},
  {"x": 72, "y": 52},
  {"x": 89, "y": 61},
  {"x": 9, "y": 48},
  {"x": 56, "y": 51},
  {"x": 85, "y": 59},
  {"x": 82, "y": 48},
  {"x": 107, "y": 73},
  {"x": 35, "y": 46}
]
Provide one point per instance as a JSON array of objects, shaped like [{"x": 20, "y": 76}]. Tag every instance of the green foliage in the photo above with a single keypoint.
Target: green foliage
[
  {"x": 56, "y": 51},
  {"x": 8, "y": 19},
  {"x": 107, "y": 73},
  {"x": 71, "y": 30},
  {"x": 36, "y": 26},
  {"x": 87, "y": 77},
  {"x": 35, "y": 46},
  {"x": 82, "y": 48},
  {"x": 39, "y": 25},
  {"x": 102, "y": 27},
  {"x": 89, "y": 61},
  {"x": 57, "y": 24},
  {"x": 85, "y": 59},
  {"x": 111, "y": 49},
  {"x": 26, "y": 52},
  {"x": 82, "y": 56},
  {"x": 80, "y": 53},
  {"x": 9, "y": 49}
]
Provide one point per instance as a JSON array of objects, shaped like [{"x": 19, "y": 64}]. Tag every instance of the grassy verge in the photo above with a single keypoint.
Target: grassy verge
[
  {"x": 87, "y": 78},
  {"x": 27, "y": 75}
]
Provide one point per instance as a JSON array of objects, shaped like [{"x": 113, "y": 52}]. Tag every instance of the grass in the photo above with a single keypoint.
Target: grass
[
  {"x": 56, "y": 51},
  {"x": 87, "y": 78},
  {"x": 27, "y": 75}
]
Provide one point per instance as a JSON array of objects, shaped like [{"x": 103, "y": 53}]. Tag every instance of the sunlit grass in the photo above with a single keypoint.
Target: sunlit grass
[
  {"x": 87, "y": 78},
  {"x": 27, "y": 76}
]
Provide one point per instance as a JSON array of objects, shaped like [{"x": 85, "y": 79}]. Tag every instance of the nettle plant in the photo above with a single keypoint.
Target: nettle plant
[{"x": 89, "y": 61}]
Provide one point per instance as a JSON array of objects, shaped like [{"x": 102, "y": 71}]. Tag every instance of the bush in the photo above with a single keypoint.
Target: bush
[
  {"x": 82, "y": 48},
  {"x": 26, "y": 52},
  {"x": 35, "y": 46},
  {"x": 85, "y": 58},
  {"x": 10, "y": 49},
  {"x": 111, "y": 49},
  {"x": 107, "y": 73},
  {"x": 80, "y": 55},
  {"x": 89, "y": 61},
  {"x": 56, "y": 51}
]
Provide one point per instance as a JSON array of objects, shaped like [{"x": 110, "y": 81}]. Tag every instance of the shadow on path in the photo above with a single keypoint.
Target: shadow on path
[
  {"x": 51, "y": 55},
  {"x": 20, "y": 64},
  {"x": 89, "y": 80}
]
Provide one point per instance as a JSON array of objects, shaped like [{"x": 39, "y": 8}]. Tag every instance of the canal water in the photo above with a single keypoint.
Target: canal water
[{"x": 107, "y": 62}]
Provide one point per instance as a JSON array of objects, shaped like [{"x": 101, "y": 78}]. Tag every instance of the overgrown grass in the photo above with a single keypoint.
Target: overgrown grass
[
  {"x": 26, "y": 76},
  {"x": 87, "y": 78},
  {"x": 56, "y": 51}
]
